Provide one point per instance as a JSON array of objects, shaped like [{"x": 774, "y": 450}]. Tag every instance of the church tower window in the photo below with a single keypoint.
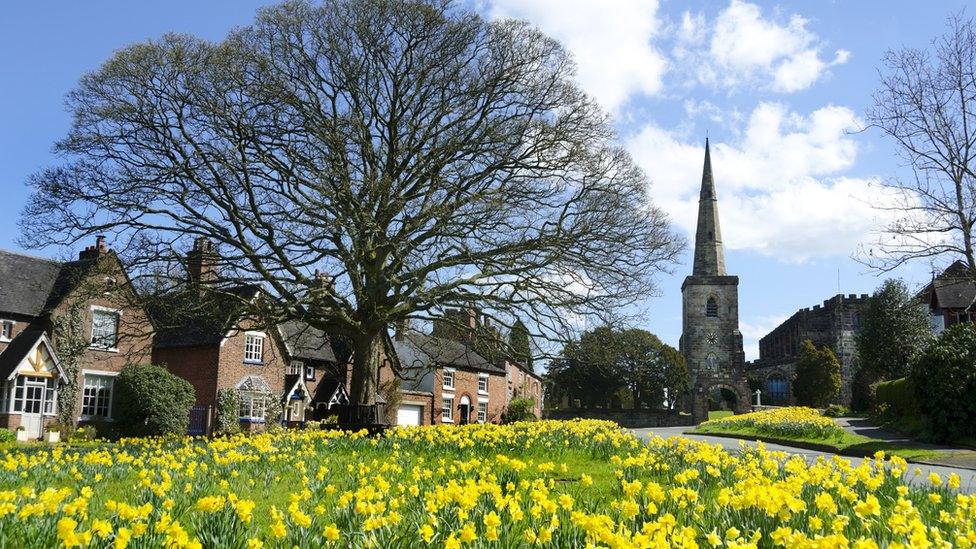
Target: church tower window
[{"x": 711, "y": 307}]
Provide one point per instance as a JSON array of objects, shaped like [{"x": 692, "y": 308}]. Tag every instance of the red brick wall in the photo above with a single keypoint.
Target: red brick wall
[
  {"x": 198, "y": 365},
  {"x": 426, "y": 401},
  {"x": 19, "y": 325},
  {"x": 466, "y": 384},
  {"x": 231, "y": 367},
  {"x": 524, "y": 384}
]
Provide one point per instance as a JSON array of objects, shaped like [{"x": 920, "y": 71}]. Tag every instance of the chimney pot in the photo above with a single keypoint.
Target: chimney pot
[
  {"x": 201, "y": 262},
  {"x": 92, "y": 252}
]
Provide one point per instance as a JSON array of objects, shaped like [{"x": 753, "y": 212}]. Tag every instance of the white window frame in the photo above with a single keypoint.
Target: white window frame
[
  {"x": 448, "y": 374},
  {"x": 447, "y": 405},
  {"x": 483, "y": 379},
  {"x": 111, "y": 393},
  {"x": 482, "y": 411},
  {"x": 259, "y": 337},
  {"x": 250, "y": 397},
  {"x": 295, "y": 367},
  {"x": 118, "y": 321},
  {"x": 4, "y": 323},
  {"x": 309, "y": 372}
]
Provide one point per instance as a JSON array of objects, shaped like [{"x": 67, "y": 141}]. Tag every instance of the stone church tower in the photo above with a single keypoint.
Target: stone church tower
[{"x": 710, "y": 338}]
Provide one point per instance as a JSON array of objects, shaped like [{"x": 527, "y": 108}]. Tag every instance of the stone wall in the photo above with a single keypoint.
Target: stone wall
[
  {"x": 832, "y": 324},
  {"x": 633, "y": 419}
]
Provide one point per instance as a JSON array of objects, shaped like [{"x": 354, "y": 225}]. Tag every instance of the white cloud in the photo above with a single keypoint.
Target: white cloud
[
  {"x": 781, "y": 184},
  {"x": 749, "y": 49},
  {"x": 612, "y": 45},
  {"x": 754, "y": 329}
]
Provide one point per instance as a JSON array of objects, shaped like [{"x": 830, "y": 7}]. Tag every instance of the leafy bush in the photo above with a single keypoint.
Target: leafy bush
[
  {"x": 151, "y": 401},
  {"x": 519, "y": 409},
  {"x": 84, "y": 432},
  {"x": 945, "y": 383},
  {"x": 898, "y": 397},
  {"x": 6, "y": 435},
  {"x": 228, "y": 411},
  {"x": 836, "y": 410}
]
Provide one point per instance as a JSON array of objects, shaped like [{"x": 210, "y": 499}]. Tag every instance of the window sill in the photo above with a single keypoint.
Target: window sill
[
  {"x": 91, "y": 419},
  {"x": 447, "y": 420},
  {"x": 251, "y": 420},
  {"x": 483, "y": 393},
  {"x": 451, "y": 389},
  {"x": 103, "y": 349},
  {"x": 254, "y": 362}
]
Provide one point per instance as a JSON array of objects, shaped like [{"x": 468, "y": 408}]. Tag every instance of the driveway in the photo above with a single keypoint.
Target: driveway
[{"x": 967, "y": 476}]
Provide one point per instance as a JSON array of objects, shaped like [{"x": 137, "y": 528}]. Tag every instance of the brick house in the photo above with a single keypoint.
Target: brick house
[
  {"x": 445, "y": 381},
  {"x": 38, "y": 294},
  {"x": 950, "y": 297},
  {"x": 522, "y": 382},
  {"x": 205, "y": 337}
]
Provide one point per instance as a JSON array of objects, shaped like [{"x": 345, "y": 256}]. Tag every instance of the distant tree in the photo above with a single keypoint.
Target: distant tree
[
  {"x": 420, "y": 155},
  {"x": 927, "y": 105},
  {"x": 677, "y": 380},
  {"x": 606, "y": 360},
  {"x": 894, "y": 331},
  {"x": 520, "y": 343},
  {"x": 944, "y": 377},
  {"x": 817, "y": 379}
]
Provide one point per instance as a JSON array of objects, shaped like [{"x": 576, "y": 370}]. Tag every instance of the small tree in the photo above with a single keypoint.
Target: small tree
[
  {"x": 151, "y": 401},
  {"x": 817, "y": 378},
  {"x": 945, "y": 382},
  {"x": 228, "y": 412},
  {"x": 677, "y": 380},
  {"x": 894, "y": 331}
]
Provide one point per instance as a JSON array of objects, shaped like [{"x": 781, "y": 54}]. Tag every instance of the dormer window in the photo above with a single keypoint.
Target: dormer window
[
  {"x": 6, "y": 330},
  {"x": 711, "y": 307}
]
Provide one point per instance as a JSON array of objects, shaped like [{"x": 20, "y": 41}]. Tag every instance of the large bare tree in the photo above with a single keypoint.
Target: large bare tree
[
  {"x": 927, "y": 104},
  {"x": 418, "y": 154}
]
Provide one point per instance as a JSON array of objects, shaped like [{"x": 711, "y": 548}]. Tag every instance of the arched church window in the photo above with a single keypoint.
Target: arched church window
[{"x": 711, "y": 307}]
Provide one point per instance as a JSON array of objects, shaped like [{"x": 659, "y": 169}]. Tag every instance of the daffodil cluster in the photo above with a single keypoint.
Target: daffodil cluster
[
  {"x": 540, "y": 484},
  {"x": 797, "y": 421}
]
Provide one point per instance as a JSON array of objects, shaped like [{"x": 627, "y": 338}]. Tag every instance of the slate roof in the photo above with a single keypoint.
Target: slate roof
[
  {"x": 183, "y": 320},
  {"x": 304, "y": 341},
  {"x": 27, "y": 283},
  {"x": 429, "y": 350},
  {"x": 953, "y": 289}
]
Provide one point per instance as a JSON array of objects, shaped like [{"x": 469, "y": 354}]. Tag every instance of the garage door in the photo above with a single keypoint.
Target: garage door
[{"x": 409, "y": 414}]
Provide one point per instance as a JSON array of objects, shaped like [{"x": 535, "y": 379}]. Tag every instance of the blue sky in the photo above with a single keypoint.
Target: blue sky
[{"x": 781, "y": 88}]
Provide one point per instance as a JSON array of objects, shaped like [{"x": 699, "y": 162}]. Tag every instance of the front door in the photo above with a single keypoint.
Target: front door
[{"x": 32, "y": 418}]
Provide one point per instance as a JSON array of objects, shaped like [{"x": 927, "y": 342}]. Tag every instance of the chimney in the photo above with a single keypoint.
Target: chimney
[
  {"x": 93, "y": 252},
  {"x": 201, "y": 262},
  {"x": 324, "y": 281}
]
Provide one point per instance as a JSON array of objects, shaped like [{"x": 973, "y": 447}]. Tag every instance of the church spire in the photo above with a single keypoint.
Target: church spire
[{"x": 709, "y": 255}]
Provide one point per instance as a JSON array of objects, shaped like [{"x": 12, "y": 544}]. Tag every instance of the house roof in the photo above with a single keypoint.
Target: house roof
[
  {"x": 954, "y": 289},
  {"x": 185, "y": 319},
  {"x": 417, "y": 349},
  {"x": 304, "y": 341},
  {"x": 30, "y": 285}
]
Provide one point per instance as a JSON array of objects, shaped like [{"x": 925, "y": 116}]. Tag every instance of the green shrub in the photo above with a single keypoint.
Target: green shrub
[
  {"x": 836, "y": 410},
  {"x": 898, "y": 397},
  {"x": 519, "y": 409},
  {"x": 945, "y": 383},
  {"x": 228, "y": 413},
  {"x": 817, "y": 378},
  {"x": 84, "y": 432},
  {"x": 6, "y": 435},
  {"x": 151, "y": 401}
]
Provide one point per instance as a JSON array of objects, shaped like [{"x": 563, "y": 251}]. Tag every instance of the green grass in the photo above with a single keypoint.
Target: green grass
[
  {"x": 718, "y": 414},
  {"x": 846, "y": 443}
]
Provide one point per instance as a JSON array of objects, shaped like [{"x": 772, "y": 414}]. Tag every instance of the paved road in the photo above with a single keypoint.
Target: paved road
[{"x": 967, "y": 476}]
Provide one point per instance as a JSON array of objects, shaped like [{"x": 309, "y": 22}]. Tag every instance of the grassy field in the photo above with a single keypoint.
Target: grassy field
[
  {"x": 806, "y": 426},
  {"x": 719, "y": 414},
  {"x": 540, "y": 484}
]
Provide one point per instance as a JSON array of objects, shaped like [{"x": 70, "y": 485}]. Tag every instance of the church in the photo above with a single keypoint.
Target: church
[{"x": 710, "y": 339}]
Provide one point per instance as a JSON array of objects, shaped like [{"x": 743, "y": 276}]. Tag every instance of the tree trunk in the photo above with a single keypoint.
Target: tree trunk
[{"x": 367, "y": 358}]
